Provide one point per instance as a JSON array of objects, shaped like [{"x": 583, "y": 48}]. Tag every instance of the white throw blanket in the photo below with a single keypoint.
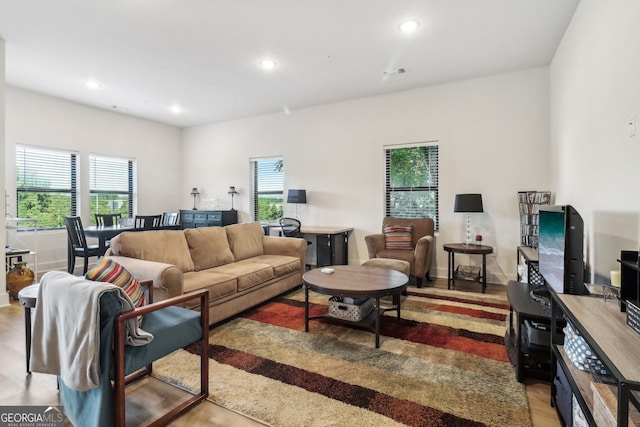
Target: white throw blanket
[{"x": 66, "y": 328}]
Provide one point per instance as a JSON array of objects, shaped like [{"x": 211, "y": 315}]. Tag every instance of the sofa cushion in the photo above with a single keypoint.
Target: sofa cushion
[
  {"x": 208, "y": 247},
  {"x": 166, "y": 246},
  {"x": 282, "y": 264},
  {"x": 248, "y": 273},
  {"x": 219, "y": 284},
  {"x": 245, "y": 240}
]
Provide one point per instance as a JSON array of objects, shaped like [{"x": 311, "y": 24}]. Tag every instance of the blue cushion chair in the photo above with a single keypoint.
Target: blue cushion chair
[{"x": 172, "y": 327}]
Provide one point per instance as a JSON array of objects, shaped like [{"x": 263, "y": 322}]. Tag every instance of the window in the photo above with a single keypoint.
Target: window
[
  {"x": 112, "y": 182},
  {"x": 411, "y": 181},
  {"x": 46, "y": 184},
  {"x": 268, "y": 188}
]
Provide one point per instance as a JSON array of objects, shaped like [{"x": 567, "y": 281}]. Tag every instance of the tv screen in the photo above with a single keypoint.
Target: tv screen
[{"x": 560, "y": 249}]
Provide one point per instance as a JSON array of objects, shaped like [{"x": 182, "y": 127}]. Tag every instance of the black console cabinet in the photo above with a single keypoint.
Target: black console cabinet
[
  {"x": 195, "y": 218},
  {"x": 528, "y": 338}
]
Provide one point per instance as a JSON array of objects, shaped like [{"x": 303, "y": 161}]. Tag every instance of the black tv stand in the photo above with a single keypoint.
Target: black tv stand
[
  {"x": 531, "y": 359},
  {"x": 541, "y": 295}
]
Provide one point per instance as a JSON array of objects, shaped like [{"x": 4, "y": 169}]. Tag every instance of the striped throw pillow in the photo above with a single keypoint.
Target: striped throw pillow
[
  {"x": 398, "y": 236},
  {"x": 107, "y": 270}
]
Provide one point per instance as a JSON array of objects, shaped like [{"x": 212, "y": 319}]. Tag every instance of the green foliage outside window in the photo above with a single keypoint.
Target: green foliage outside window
[
  {"x": 109, "y": 203},
  {"x": 49, "y": 209},
  {"x": 412, "y": 182},
  {"x": 270, "y": 208}
]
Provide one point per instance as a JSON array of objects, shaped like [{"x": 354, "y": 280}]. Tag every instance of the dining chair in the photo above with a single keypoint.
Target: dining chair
[
  {"x": 107, "y": 220},
  {"x": 147, "y": 222},
  {"x": 78, "y": 246},
  {"x": 169, "y": 218}
]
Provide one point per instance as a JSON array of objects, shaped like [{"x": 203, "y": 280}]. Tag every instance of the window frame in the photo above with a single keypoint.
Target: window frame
[
  {"x": 433, "y": 146},
  {"x": 256, "y": 192},
  {"x": 131, "y": 184},
  {"x": 44, "y": 158}
]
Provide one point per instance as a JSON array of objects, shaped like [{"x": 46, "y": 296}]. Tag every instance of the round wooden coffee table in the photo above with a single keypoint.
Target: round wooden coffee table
[{"x": 355, "y": 281}]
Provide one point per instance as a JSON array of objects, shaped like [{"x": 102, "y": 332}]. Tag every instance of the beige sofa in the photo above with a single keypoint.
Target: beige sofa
[{"x": 239, "y": 265}]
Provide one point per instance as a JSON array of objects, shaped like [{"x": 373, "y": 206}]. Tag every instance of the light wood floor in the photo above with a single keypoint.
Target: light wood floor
[{"x": 149, "y": 397}]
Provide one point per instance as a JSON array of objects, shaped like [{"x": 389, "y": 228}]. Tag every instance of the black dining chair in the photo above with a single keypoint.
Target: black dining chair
[
  {"x": 147, "y": 222},
  {"x": 78, "y": 247},
  {"x": 107, "y": 220},
  {"x": 169, "y": 218}
]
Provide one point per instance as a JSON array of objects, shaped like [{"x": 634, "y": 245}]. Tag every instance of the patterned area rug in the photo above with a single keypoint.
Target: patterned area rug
[{"x": 443, "y": 364}]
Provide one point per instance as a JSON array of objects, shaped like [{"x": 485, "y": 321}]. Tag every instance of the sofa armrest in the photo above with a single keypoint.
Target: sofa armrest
[
  {"x": 290, "y": 246},
  {"x": 424, "y": 248},
  {"x": 375, "y": 244},
  {"x": 168, "y": 279}
]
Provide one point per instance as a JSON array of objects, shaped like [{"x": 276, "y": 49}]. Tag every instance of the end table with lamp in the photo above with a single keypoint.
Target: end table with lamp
[{"x": 460, "y": 248}]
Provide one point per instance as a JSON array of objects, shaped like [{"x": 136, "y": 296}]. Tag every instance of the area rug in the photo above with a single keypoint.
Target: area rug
[{"x": 443, "y": 364}]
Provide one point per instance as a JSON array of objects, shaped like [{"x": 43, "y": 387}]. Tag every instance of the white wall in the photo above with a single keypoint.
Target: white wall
[
  {"x": 595, "y": 90},
  {"x": 493, "y": 135},
  {"x": 39, "y": 120},
  {"x": 4, "y": 296}
]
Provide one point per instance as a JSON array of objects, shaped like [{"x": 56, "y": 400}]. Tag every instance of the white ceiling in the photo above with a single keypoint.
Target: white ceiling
[{"x": 204, "y": 54}]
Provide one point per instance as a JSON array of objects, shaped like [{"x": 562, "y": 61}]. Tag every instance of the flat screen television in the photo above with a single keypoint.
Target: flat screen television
[{"x": 561, "y": 249}]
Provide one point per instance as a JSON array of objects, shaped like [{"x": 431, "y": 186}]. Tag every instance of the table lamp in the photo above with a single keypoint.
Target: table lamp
[
  {"x": 194, "y": 193},
  {"x": 467, "y": 203},
  {"x": 297, "y": 197},
  {"x": 233, "y": 192}
]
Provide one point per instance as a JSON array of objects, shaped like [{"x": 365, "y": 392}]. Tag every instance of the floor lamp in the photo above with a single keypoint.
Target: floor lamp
[{"x": 468, "y": 203}]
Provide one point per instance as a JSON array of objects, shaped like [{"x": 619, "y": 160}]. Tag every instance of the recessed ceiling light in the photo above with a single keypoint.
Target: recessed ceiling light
[
  {"x": 92, "y": 84},
  {"x": 176, "y": 109},
  {"x": 268, "y": 64},
  {"x": 409, "y": 26}
]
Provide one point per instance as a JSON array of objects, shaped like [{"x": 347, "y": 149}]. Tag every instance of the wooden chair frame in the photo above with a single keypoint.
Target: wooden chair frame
[{"x": 120, "y": 380}]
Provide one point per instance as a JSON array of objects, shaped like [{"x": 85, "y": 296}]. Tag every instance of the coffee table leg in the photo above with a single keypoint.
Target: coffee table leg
[
  {"x": 377, "y": 322},
  {"x": 306, "y": 308}
]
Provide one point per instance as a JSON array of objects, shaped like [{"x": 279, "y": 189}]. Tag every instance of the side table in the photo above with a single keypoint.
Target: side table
[
  {"x": 28, "y": 297},
  {"x": 459, "y": 248}
]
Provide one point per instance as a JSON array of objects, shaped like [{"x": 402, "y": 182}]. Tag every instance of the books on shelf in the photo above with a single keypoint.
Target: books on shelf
[{"x": 529, "y": 207}]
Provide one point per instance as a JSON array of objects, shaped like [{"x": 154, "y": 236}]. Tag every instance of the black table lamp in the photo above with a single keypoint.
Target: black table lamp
[
  {"x": 467, "y": 203},
  {"x": 297, "y": 197}
]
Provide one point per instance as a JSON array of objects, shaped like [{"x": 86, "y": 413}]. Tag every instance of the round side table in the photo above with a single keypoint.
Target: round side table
[
  {"x": 28, "y": 297},
  {"x": 459, "y": 248}
]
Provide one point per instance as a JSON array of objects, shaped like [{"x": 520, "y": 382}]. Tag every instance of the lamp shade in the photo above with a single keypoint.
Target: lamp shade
[
  {"x": 468, "y": 203},
  {"x": 297, "y": 196}
]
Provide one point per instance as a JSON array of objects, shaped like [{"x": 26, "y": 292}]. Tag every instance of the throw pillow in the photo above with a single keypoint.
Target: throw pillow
[
  {"x": 107, "y": 270},
  {"x": 398, "y": 236}
]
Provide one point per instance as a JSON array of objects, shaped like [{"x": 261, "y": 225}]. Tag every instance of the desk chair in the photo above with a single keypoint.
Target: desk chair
[
  {"x": 147, "y": 222},
  {"x": 78, "y": 246},
  {"x": 290, "y": 227},
  {"x": 107, "y": 220}
]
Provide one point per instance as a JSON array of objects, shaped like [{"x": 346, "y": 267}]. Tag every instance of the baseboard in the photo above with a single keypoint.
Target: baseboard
[{"x": 4, "y": 299}]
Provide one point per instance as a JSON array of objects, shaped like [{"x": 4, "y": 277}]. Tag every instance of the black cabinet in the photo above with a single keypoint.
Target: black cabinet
[
  {"x": 331, "y": 249},
  {"x": 195, "y": 218},
  {"x": 528, "y": 339}
]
